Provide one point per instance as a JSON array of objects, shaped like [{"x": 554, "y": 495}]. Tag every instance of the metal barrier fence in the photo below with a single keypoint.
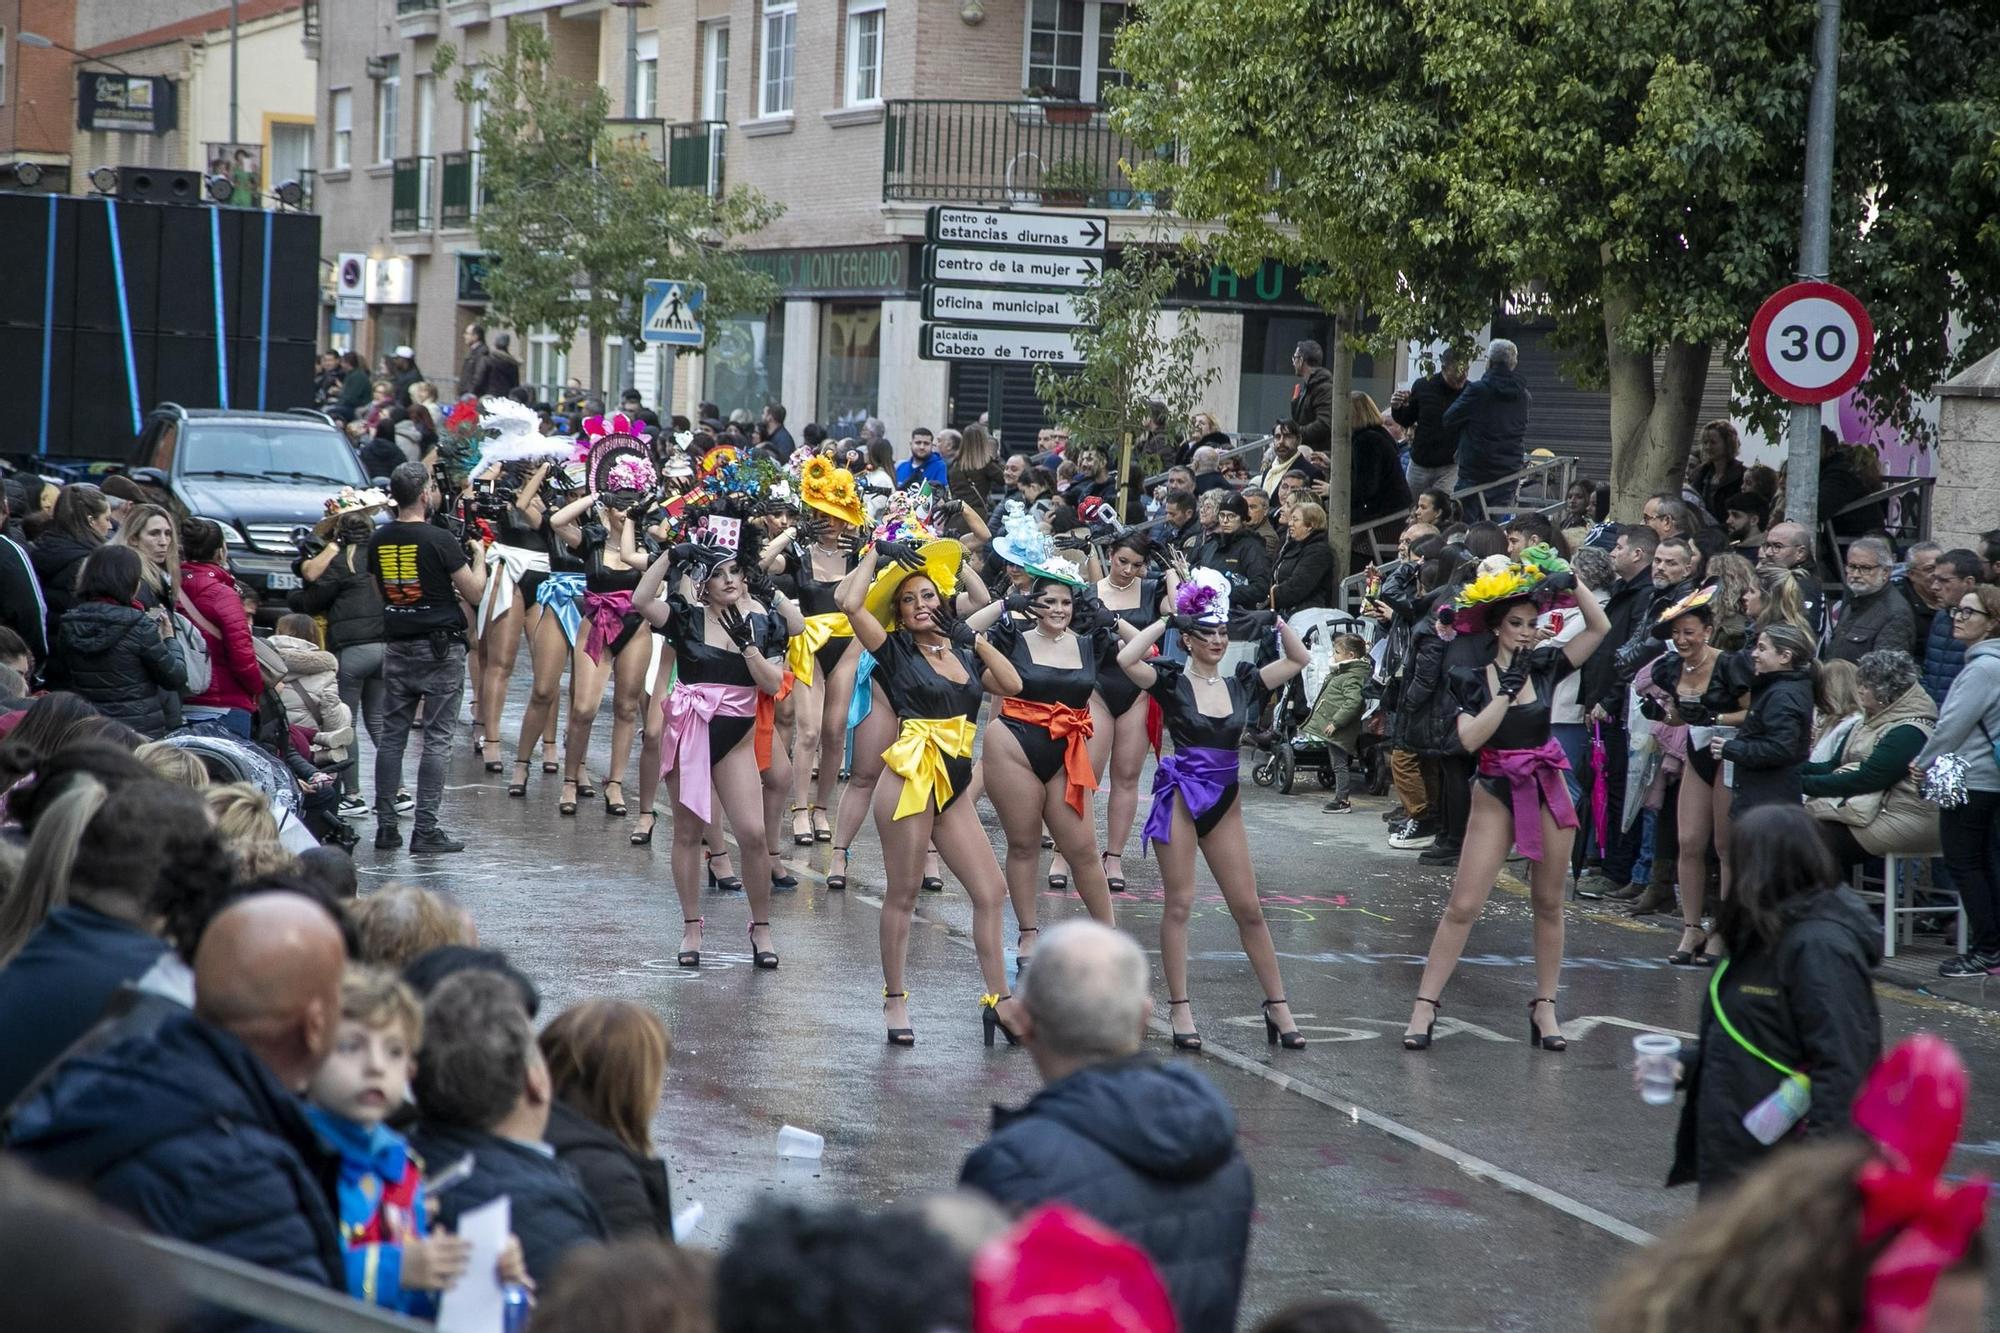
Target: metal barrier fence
[{"x": 245, "y": 1289}]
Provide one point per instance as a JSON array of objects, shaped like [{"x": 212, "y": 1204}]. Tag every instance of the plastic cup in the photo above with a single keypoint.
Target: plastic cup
[
  {"x": 1656, "y": 1054},
  {"x": 803, "y": 1143}
]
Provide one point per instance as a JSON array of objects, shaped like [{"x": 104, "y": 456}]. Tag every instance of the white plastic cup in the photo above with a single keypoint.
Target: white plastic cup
[
  {"x": 1656, "y": 1054},
  {"x": 802, "y": 1143},
  {"x": 688, "y": 1221}
]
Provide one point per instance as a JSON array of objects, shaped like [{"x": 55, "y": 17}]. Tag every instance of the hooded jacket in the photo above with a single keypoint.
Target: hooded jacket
[
  {"x": 1944, "y": 657},
  {"x": 1148, "y": 1150},
  {"x": 310, "y": 692},
  {"x": 1968, "y": 724},
  {"x": 346, "y": 594},
  {"x": 234, "y": 678},
  {"x": 1435, "y": 443},
  {"x": 1808, "y": 1004},
  {"x": 187, "y": 1131},
  {"x": 1340, "y": 704},
  {"x": 57, "y": 986},
  {"x": 112, "y": 655},
  {"x": 58, "y": 558},
  {"x": 1771, "y": 747},
  {"x": 551, "y": 1214},
  {"x": 1492, "y": 416}
]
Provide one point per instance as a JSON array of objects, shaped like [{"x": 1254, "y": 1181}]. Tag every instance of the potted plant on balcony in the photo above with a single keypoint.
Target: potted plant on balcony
[
  {"x": 1059, "y": 108},
  {"x": 1068, "y": 183}
]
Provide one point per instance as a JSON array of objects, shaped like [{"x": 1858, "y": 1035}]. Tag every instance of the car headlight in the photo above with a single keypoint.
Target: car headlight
[{"x": 230, "y": 535}]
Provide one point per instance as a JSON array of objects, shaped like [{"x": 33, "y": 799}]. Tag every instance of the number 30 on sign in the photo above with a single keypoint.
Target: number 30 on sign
[{"x": 1811, "y": 342}]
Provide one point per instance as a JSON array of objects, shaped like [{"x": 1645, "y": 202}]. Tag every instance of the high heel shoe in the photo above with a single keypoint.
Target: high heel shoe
[
  {"x": 1058, "y": 883},
  {"x": 586, "y": 788},
  {"x": 568, "y": 807},
  {"x": 899, "y": 1036},
  {"x": 822, "y": 829},
  {"x": 765, "y": 959},
  {"x": 802, "y": 839},
  {"x": 1293, "y": 1040},
  {"x": 1421, "y": 1041},
  {"x": 728, "y": 883},
  {"x": 784, "y": 881},
  {"x": 989, "y": 1017},
  {"x": 549, "y": 765},
  {"x": 1185, "y": 1041},
  {"x": 838, "y": 883},
  {"x": 1116, "y": 883},
  {"x": 520, "y": 787},
  {"x": 1021, "y": 959},
  {"x": 615, "y": 809},
  {"x": 1558, "y": 1042},
  {"x": 933, "y": 884},
  {"x": 1686, "y": 957},
  {"x": 643, "y": 837},
  {"x": 689, "y": 957},
  {"x": 495, "y": 766}
]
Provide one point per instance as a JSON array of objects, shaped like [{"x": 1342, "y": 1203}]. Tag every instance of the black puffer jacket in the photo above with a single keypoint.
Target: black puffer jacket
[
  {"x": 551, "y": 1213},
  {"x": 1773, "y": 743},
  {"x": 58, "y": 558},
  {"x": 349, "y": 599},
  {"x": 1435, "y": 444},
  {"x": 1303, "y": 577},
  {"x": 1628, "y": 602},
  {"x": 630, "y": 1191},
  {"x": 113, "y": 656},
  {"x": 1149, "y": 1151},
  {"x": 1808, "y": 1004}
]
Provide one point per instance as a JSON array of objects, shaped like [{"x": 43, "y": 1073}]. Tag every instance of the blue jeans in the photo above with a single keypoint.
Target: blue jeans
[
  {"x": 236, "y": 720},
  {"x": 1574, "y": 737},
  {"x": 1642, "y": 866}
]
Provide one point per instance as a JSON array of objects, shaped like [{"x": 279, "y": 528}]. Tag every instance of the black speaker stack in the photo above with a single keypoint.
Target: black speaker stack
[{"x": 63, "y": 328}]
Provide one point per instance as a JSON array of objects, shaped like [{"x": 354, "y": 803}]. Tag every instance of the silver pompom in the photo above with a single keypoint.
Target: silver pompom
[{"x": 1944, "y": 785}]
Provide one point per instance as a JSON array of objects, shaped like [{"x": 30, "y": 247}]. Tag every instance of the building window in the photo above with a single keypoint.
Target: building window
[
  {"x": 715, "y": 71},
  {"x": 850, "y": 364},
  {"x": 781, "y": 26},
  {"x": 647, "y": 87},
  {"x": 548, "y": 362},
  {"x": 3, "y": 65},
  {"x": 340, "y": 155},
  {"x": 864, "y": 52},
  {"x": 291, "y": 153},
  {"x": 744, "y": 365},
  {"x": 388, "y": 97},
  {"x": 1069, "y": 48}
]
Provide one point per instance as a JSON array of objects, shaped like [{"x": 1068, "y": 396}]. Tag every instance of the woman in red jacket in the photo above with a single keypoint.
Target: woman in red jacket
[{"x": 210, "y": 599}]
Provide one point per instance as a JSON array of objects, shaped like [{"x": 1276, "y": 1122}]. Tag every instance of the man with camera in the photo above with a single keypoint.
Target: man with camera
[
  {"x": 338, "y": 584},
  {"x": 422, "y": 573}
]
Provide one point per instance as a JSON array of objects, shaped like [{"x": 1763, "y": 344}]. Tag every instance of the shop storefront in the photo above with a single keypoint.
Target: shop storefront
[{"x": 835, "y": 302}]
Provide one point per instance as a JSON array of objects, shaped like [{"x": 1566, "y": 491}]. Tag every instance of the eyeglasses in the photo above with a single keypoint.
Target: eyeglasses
[
  {"x": 1967, "y": 613},
  {"x": 1853, "y": 568}
]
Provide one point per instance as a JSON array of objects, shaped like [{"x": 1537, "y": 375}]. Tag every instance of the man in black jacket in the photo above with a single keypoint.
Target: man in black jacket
[
  {"x": 1492, "y": 417},
  {"x": 1238, "y": 555},
  {"x": 485, "y": 1092},
  {"x": 1873, "y": 615},
  {"x": 1148, "y": 1150},
  {"x": 473, "y": 368},
  {"x": 195, "y": 1130},
  {"x": 1602, "y": 694},
  {"x": 1312, "y": 397},
  {"x": 499, "y": 373},
  {"x": 1420, "y": 409}
]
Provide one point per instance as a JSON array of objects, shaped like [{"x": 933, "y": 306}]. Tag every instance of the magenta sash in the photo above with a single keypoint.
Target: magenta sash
[
  {"x": 684, "y": 738},
  {"x": 1534, "y": 780},
  {"x": 607, "y": 612}
]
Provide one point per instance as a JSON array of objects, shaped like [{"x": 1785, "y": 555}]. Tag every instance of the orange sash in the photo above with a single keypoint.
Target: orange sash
[
  {"x": 767, "y": 720},
  {"x": 1071, "y": 726}
]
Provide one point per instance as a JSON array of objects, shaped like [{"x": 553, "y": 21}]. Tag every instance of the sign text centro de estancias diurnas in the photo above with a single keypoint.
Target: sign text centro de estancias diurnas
[{"x": 1009, "y": 231}]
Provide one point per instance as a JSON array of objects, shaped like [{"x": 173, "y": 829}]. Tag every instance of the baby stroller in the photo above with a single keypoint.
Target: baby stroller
[
  {"x": 1286, "y": 746},
  {"x": 304, "y": 819}
]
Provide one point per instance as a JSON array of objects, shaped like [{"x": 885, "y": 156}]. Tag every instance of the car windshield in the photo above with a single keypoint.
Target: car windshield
[{"x": 268, "y": 449}]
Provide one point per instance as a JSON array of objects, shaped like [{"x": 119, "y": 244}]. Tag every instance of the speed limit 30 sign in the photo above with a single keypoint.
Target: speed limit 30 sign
[{"x": 1810, "y": 342}]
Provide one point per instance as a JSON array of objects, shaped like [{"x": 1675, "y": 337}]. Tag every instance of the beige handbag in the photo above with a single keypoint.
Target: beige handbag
[{"x": 1856, "y": 811}]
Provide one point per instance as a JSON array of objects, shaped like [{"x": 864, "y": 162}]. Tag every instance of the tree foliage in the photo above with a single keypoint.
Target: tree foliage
[
  {"x": 573, "y": 221},
  {"x": 1126, "y": 364},
  {"x": 1630, "y": 169}
]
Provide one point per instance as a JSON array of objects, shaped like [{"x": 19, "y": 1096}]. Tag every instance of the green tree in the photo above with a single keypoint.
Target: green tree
[
  {"x": 1629, "y": 168},
  {"x": 1127, "y": 366},
  {"x": 573, "y": 221}
]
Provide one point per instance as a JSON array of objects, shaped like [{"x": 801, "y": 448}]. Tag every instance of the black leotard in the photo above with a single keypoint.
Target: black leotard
[
  {"x": 1193, "y": 729},
  {"x": 1113, "y": 684},
  {"x": 598, "y": 576},
  {"x": 1525, "y": 725},
  {"x": 815, "y": 598},
  {"x": 1069, "y": 686},
  {"x": 1728, "y": 681},
  {"x": 915, "y": 690},
  {"x": 698, "y": 662}
]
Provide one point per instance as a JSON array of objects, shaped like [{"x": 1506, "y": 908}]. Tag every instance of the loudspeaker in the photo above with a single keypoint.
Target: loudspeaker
[
  {"x": 24, "y": 239},
  {"x": 294, "y": 273},
  {"x": 187, "y": 268},
  {"x": 159, "y": 185},
  {"x": 95, "y": 304}
]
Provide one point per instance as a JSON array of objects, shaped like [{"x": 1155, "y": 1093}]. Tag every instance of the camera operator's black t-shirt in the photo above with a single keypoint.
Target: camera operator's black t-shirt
[{"x": 413, "y": 564}]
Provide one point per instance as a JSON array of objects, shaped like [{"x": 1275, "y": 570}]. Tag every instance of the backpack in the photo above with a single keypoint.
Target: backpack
[{"x": 194, "y": 648}]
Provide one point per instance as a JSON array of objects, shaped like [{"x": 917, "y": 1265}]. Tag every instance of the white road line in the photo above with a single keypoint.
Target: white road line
[{"x": 1476, "y": 1167}]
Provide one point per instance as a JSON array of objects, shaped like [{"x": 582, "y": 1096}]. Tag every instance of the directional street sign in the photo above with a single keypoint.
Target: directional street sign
[
  {"x": 1042, "y": 231},
  {"x": 998, "y": 305},
  {"x": 1047, "y": 347},
  {"x": 1008, "y": 268},
  {"x": 672, "y": 313}
]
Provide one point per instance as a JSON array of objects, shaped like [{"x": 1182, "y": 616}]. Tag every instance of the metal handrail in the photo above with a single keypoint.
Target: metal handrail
[
  {"x": 1540, "y": 469},
  {"x": 278, "y": 1298},
  {"x": 1248, "y": 445}
]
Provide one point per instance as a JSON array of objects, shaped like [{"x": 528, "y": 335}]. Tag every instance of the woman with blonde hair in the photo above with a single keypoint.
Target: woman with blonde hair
[
  {"x": 151, "y": 531},
  {"x": 1733, "y": 577},
  {"x": 242, "y": 815},
  {"x": 403, "y": 921},
  {"x": 974, "y": 473},
  {"x": 607, "y": 1060}
]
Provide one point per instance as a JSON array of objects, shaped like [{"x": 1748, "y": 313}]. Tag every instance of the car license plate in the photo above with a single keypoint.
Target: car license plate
[{"x": 283, "y": 582}]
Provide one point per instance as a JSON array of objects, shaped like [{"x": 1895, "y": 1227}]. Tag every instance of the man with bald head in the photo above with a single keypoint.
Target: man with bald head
[
  {"x": 1145, "y": 1148},
  {"x": 1788, "y": 546},
  {"x": 195, "y": 1130}
]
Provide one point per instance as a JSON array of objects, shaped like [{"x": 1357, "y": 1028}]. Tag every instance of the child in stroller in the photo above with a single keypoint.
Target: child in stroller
[{"x": 1289, "y": 744}]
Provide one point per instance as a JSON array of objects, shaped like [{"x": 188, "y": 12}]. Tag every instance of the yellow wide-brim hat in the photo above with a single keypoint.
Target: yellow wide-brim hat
[
  {"x": 940, "y": 557},
  {"x": 830, "y": 489}
]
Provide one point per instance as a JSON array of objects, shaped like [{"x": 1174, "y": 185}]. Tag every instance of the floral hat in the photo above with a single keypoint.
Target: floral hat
[
  {"x": 350, "y": 501},
  {"x": 829, "y": 488},
  {"x": 1501, "y": 580},
  {"x": 940, "y": 559},
  {"x": 1022, "y": 542},
  {"x": 621, "y": 464},
  {"x": 1700, "y": 602},
  {"x": 1203, "y": 597}
]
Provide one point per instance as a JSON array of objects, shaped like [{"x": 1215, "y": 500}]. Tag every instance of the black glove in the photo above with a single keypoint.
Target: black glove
[
  {"x": 1070, "y": 542},
  {"x": 1018, "y": 603},
  {"x": 1512, "y": 680},
  {"x": 1560, "y": 581},
  {"x": 686, "y": 553},
  {"x": 1087, "y": 614},
  {"x": 901, "y": 553},
  {"x": 1256, "y": 622},
  {"x": 736, "y": 625},
  {"x": 947, "y": 508},
  {"x": 1694, "y": 712},
  {"x": 810, "y": 528},
  {"x": 1652, "y": 709},
  {"x": 948, "y": 624},
  {"x": 758, "y": 581},
  {"x": 850, "y": 544}
]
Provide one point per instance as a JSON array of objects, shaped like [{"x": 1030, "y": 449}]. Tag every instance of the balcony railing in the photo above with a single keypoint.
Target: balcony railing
[
  {"x": 460, "y": 190},
  {"x": 415, "y": 6},
  {"x": 1062, "y": 155},
  {"x": 410, "y": 194},
  {"x": 309, "y": 182},
  {"x": 695, "y": 155}
]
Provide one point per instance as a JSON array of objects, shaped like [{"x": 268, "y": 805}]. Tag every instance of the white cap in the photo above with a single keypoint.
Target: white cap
[{"x": 407, "y": 352}]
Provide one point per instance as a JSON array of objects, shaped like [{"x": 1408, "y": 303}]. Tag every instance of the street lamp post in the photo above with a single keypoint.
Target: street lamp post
[{"x": 42, "y": 43}]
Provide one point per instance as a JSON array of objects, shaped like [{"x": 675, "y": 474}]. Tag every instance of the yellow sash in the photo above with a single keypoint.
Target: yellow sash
[
  {"x": 808, "y": 641},
  {"x": 918, "y": 758}
]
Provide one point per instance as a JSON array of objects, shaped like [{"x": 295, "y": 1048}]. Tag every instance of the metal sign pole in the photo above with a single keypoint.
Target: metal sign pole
[{"x": 1802, "y": 453}]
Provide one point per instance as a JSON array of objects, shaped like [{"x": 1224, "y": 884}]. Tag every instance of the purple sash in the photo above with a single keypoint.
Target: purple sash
[{"x": 1201, "y": 777}]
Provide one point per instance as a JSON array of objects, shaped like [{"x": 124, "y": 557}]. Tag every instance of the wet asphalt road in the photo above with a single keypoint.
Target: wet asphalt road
[{"x": 1482, "y": 1185}]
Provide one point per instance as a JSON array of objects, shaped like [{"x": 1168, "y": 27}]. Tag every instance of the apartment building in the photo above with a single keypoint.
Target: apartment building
[{"x": 37, "y": 94}]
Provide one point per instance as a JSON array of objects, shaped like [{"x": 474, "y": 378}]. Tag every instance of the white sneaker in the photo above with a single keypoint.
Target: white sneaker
[
  {"x": 353, "y": 805},
  {"x": 1408, "y": 836},
  {"x": 405, "y": 803}
]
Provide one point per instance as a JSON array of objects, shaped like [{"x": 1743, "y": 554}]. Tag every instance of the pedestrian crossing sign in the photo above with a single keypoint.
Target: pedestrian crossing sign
[{"x": 671, "y": 314}]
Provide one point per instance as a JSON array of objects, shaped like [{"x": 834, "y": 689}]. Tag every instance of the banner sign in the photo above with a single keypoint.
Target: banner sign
[{"x": 125, "y": 104}]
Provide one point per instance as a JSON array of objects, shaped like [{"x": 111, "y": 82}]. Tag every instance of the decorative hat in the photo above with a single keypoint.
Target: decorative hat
[
  {"x": 1058, "y": 1271},
  {"x": 706, "y": 560},
  {"x": 830, "y": 489},
  {"x": 512, "y": 433},
  {"x": 1203, "y": 597},
  {"x": 940, "y": 565},
  {"x": 1502, "y": 580},
  {"x": 1022, "y": 542},
  {"x": 1700, "y": 602},
  {"x": 348, "y": 502},
  {"x": 620, "y": 463}
]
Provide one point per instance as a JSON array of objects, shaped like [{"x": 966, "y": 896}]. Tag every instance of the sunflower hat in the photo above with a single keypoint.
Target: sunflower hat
[
  {"x": 829, "y": 488},
  {"x": 1502, "y": 580}
]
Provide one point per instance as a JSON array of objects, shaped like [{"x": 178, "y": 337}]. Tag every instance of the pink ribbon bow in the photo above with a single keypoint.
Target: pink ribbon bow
[
  {"x": 1534, "y": 779},
  {"x": 684, "y": 739}
]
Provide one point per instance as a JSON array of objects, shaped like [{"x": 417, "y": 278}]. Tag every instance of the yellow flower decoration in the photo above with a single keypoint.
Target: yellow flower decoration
[
  {"x": 830, "y": 489},
  {"x": 1497, "y": 586}
]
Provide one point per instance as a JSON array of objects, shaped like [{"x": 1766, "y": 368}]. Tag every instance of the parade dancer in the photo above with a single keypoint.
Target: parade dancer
[
  {"x": 1195, "y": 788},
  {"x": 1136, "y": 598},
  {"x": 516, "y": 555},
  {"x": 1521, "y": 794},
  {"x": 1039, "y": 767},
  {"x": 934, "y": 671},
  {"x": 706, "y": 751},
  {"x": 821, "y": 656},
  {"x": 553, "y": 626}
]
